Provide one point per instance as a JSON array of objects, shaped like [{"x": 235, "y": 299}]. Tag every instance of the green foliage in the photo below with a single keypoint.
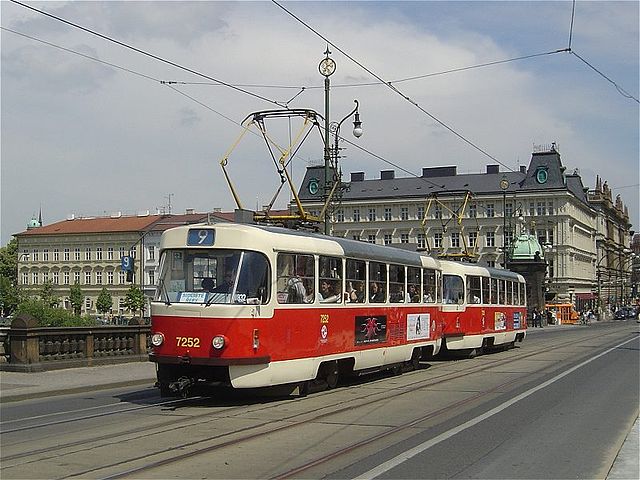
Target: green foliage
[
  {"x": 48, "y": 297},
  {"x": 104, "y": 302},
  {"x": 48, "y": 316},
  {"x": 9, "y": 261},
  {"x": 9, "y": 296},
  {"x": 134, "y": 300},
  {"x": 76, "y": 298}
]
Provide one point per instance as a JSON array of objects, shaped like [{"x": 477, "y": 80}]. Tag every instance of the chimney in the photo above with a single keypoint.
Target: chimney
[
  {"x": 190, "y": 211},
  {"x": 493, "y": 168},
  {"x": 433, "y": 172},
  {"x": 357, "y": 176},
  {"x": 523, "y": 169},
  {"x": 387, "y": 174}
]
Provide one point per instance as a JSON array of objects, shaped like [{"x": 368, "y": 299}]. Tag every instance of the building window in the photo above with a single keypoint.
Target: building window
[
  {"x": 45, "y": 255},
  {"x": 67, "y": 255},
  {"x": 87, "y": 304},
  {"x": 422, "y": 241},
  {"x": 387, "y": 213},
  {"x": 491, "y": 211},
  {"x": 404, "y": 213},
  {"x": 65, "y": 278},
  {"x": 473, "y": 239},
  {"x": 87, "y": 278},
  {"x": 532, "y": 209},
  {"x": 340, "y": 216},
  {"x": 56, "y": 278},
  {"x": 98, "y": 253},
  {"x": 35, "y": 255},
  {"x": 550, "y": 236},
  {"x": 437, "y": 240},
  {"x": 473, "y": 210},
  {"x": 87, "y": 253},
  {"x": 542, "y": 236},
  {"x": 491, "y": 263},
  {"x": 542, "y": 209},
  {"x": 25, "y": 278},
  {"x": 109, "y": 253},
  {"x": 550, "y": 208},
  {"x": 45, "y": 277},
  {"x": 152, "y": 277},
  {"x": 76, "y": 254},
  {"x": 152, "y": 252},
  {"x": 437, "y": 211},
  {"x": 121, "y": 277},
  {"x": 508, "y": 210},
  {"x": 356, "y": 214},
  {"x": 387, "y": 239},
  {"x": 110, "y": 278},
  {"x": 371, "y": 238},
  {"x": 56, "y": 255},
  {"x": 404, "y": 238},
  {"x": 490, "y": 238},
  {"x": 455, "y": 240},
  {"x": 98, "y": 278},
  {"x": 76, "y": 277},
  {"x": 372, "y": 215},
  {"x": 420, "y": 212}
]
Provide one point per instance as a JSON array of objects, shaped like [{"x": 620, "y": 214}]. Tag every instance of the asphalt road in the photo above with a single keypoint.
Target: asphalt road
[{"x": 558, "y": 406}]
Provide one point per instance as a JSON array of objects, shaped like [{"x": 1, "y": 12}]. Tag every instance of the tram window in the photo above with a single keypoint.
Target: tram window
[
  {"x": 356, "y": 280},
  {"x": 253, "y": 279},
  {"x": 295, "y": 278},
  {"x": 396, "y": 284},
  {"x": 377, "y": 282},
  {"x": 473, "y": 289},
  {"x": 429, "y": 281},
  {"x": 523, "y": 294},
  {"x": 452, "y": 289},
  {"x": 493, "y": 294},
  {"x": 485, "y": 290},
  {"x": 510, "y": 291},
  {"x": 330, "y": 279},
  {"x": 414, "y": 294},
  {"x": 502, "y": 288}
]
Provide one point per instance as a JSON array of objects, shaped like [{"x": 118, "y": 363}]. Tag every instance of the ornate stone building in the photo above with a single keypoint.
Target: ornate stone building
[{"x": 476, "y": 216}]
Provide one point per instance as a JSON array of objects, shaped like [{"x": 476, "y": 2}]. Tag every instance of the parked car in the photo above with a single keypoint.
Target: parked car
[{"x": 624, "y": 312}]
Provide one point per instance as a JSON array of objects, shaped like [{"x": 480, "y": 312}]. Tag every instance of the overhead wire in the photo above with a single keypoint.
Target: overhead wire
[{"x": 148, "y": 54}]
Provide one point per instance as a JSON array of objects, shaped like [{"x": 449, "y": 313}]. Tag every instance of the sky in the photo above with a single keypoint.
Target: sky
[{"x": 90, "y": 127}]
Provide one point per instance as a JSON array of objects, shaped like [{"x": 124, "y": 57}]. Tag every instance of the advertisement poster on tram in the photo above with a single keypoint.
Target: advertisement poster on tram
[
  {"x": 500, "y": 321},
  {"x": 418, "y": 325},
  {"x": 370, "y": 329}
]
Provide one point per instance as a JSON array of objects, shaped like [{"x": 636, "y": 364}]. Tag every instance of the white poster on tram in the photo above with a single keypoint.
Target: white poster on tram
[{"x": 418, "y": 326}]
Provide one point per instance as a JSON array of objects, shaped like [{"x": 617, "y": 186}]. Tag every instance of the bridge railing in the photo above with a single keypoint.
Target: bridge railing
[{"x": 32, "y": 348}]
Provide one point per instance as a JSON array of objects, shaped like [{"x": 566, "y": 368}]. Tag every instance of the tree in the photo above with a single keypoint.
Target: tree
[
  {"x": 9, "y": 296},
  {"x": 76, "y": 298},
  {"x": 48, "y": 297},
  {"x": 104, "y": 302},
  {"x": 134, "y": 300},
  {"x": 9, "y": 261}
]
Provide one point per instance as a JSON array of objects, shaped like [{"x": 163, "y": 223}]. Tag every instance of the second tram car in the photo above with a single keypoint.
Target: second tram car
[{"x": 251, "y": 306}]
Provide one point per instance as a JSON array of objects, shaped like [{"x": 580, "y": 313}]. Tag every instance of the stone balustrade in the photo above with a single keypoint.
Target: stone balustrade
[{"x": 33, "y": 348}]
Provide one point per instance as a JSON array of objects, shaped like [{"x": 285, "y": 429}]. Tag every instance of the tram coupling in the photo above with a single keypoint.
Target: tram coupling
[{"x": 182, "y": 386}]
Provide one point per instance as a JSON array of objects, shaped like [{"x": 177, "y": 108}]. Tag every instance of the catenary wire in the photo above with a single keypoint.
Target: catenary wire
[
  {"x": 151, "y": 55},
  {"x": 393, "y": 88},
  {"x": 620, "y": 90}
]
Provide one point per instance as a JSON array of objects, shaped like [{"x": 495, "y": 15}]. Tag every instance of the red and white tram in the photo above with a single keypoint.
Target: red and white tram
[
  {"x": 481, "y": 307},
  {"x": 254, "y": 306}
]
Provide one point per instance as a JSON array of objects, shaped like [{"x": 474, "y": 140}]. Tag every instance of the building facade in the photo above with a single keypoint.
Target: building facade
[
  {"x": 477, "y": 216},
  {"x": 89, "y": 252}
]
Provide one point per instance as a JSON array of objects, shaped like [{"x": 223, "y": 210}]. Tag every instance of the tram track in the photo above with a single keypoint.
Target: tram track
[{"x": 264, "y": 428}]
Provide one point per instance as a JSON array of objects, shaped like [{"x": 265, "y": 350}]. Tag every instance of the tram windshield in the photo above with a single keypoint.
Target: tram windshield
[{"x": 213, "y": 277}]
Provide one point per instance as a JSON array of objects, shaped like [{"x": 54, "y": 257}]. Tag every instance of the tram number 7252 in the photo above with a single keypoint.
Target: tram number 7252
[{"x": 193, "y": 342}]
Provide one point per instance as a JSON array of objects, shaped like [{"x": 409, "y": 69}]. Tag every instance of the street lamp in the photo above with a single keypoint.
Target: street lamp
[{"x": 327, "y": 67}]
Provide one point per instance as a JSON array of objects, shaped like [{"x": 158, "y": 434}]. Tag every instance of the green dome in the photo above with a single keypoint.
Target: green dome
[
  {"x": 33, "y": 223},
  {"x": 525, "y": 248}
]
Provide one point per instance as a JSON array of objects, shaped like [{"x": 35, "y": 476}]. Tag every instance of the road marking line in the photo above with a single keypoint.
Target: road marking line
[{"x": 399, "y": 459}]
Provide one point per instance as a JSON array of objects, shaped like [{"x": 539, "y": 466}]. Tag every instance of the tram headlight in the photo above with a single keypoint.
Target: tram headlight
[
  {"x": 219, "y": 342},
  {"x": 157, "y": 339}
]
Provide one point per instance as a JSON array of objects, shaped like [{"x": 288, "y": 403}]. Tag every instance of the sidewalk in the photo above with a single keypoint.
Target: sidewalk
[{"x": 15, "y": 386}]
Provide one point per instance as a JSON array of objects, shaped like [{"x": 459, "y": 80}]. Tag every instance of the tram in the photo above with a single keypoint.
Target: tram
[
  {"x": 482, "y": 308},
  {"x": 251, "y": 306}
]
